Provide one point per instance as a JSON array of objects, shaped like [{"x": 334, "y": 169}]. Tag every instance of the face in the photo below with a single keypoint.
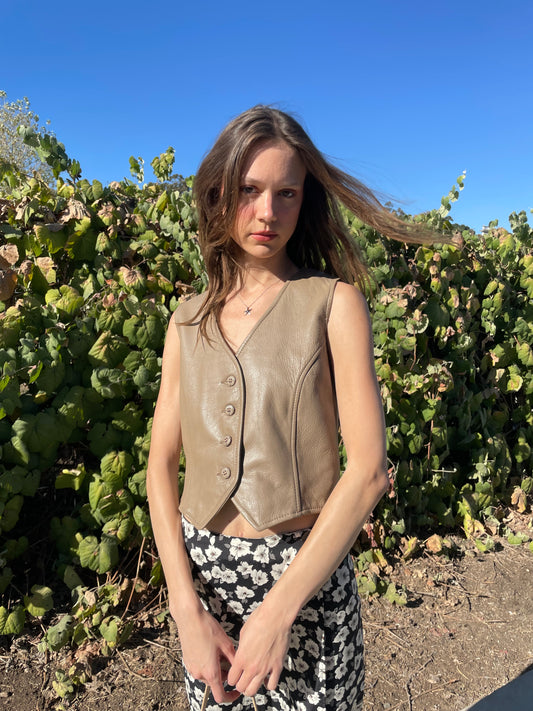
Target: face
[{"x": 271, "y": 194}]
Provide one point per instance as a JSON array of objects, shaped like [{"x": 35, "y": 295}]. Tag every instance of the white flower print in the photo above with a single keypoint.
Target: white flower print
[
  {"x": 312, "y": 647},
  {"x": 308, "y": 613},
  {"x": 338, "y": 594},
  {"x": 350, "y": 681},
  {"x": 330, "y": 617},
  {"x": 198, "y": 556},
  {"x": 238, "y": 548},
  {"x": 236, "y": 606},
  {"x": 187, "y": 527},
  {"x": 298, "y": 631},
  {"x": 342, "y": 635},
  {"x": 292, "y": 684},
  {"x": 300, "y": 665},
  {"x": 261, "y": 554},
  {"x": 304, "y": 688},
  {"x": 348, "y": 653},
  {"x": 330, "y": 695},
  {"x": 244, "y": 569},
  {"x": 343, "y": 574},
  {"x": 259, "y": 577},
  {"x": 212, "y": 553},
  {"x": 350, "y": 606},
  {"x": 228, "y": 576},
  {"x": 341, "y": 671},
  {"x": 216, "y": 572},
  {"x": 206, "y": 575},
  {"x": 273, "y": 540},
  {"x": 341, "y": 615},
  {"x": 288, "y": 555},
  {"x": 242, "y": 593},
  {"x": 277, "y": 570},
  {"x": 339, "y": 693},
  {"x": 313, "y": 698}
]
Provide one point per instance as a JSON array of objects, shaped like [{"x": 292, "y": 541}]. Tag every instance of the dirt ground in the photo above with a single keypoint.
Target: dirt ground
[{"x": 467, "y": 630}]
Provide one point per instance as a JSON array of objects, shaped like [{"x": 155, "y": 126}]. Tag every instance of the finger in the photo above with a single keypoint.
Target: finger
[
  {"x": 221, "y": 695},
  {"x": 253, "y": 686},
  {"x": 272, "y": 680},
  {"x": 234, "y": 674}
]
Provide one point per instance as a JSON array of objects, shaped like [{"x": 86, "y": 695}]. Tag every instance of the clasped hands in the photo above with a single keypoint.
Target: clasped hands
[{"x": 209, "y": 654}]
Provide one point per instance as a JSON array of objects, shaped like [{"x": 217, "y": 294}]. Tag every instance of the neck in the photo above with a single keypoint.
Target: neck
[{"x": 263, "y": 272}]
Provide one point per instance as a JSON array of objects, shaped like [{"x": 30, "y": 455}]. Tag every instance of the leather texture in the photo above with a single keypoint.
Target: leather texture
[{"x": 260, "y": 426}]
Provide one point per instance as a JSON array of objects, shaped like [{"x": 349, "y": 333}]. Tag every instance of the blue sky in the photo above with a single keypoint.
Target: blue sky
[{"x": 405, "y": 95}]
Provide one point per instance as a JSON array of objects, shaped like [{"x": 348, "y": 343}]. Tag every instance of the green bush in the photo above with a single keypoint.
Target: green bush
[{"x": 89, "y": 276}]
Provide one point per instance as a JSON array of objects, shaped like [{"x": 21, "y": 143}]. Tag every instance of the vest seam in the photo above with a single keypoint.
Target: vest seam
[{"x": 295, "y": 408}]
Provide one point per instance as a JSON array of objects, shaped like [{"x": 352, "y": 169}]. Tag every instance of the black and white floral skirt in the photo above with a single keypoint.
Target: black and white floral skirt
[{"x": 324, "y": 668}]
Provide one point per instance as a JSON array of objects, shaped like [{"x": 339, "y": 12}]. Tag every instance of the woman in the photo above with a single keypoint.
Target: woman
[{"x": 258, "y": 373}]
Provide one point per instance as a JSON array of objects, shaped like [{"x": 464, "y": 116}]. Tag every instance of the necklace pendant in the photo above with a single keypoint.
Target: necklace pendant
[{"x": 247, "y": 311}]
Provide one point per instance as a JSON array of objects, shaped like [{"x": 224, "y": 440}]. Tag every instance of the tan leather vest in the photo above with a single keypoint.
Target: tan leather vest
[{"x": 260, "y": 426}]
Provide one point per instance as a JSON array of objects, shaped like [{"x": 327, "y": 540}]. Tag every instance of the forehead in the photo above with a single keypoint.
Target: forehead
[{"x": 274, "y": 160}]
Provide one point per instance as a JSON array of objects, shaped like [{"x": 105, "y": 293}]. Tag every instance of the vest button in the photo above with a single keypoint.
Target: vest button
[
  {"x": 226, "y": 441},
  {"x": 231, "y": 380},
  {"x": 229, "y": 410},
  {"x": 225, "y": 472}
]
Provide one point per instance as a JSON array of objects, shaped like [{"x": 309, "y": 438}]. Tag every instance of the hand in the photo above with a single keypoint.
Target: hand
[
  {"x": 263, "y": 645},
  {"x": 207, "y": 652}
]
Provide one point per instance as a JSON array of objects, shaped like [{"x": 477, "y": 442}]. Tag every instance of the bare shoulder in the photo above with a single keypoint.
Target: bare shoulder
[
  {"x": 171, "y": 352},
  {"x": 349, "y": 312}
]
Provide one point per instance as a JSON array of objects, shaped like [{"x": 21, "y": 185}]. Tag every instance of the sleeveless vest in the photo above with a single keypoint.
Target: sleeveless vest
[{"x": 260, "y": 426}]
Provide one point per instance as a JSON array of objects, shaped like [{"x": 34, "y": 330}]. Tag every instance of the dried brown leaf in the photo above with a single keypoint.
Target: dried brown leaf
[
  {"x": 8, "y": 282},
  {"x": 75, "y": 210},
  {"x": 9, "y": 253}
]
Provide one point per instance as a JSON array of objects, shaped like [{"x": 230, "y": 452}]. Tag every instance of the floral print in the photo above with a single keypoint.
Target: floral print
[{"x": 324, "y": 668}]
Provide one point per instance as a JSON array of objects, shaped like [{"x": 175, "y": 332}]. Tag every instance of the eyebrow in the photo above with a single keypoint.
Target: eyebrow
[{"x": 289, "y": 183}]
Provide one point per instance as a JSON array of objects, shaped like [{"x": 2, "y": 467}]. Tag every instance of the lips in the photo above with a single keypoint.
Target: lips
[{"x": 264, "y": 236}]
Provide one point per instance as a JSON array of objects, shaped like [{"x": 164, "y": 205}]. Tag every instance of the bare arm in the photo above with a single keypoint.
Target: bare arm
[
  {"x": 265, "y": 636},
  {"x": 203, "y": 641}
]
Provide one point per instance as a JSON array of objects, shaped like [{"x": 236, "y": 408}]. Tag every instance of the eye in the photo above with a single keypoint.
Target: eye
[
  {"x": 287, "y": 193},
  {"x": 247, "y": 189}
]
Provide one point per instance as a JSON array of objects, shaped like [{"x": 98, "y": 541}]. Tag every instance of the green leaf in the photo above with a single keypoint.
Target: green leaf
[
  {"x": 41, "y": 600},
  {"x": 110, "y": 382},
  {"x": 516, "y": 539},
  {"x": 12, "y": 621},
  {"x": 58, "y": 635},
  {"x": 71, "y": 478},
  {"x": 99, "y": 556},
  {"x": 115, "y": 467},
  {"x": 142, "y": 519},
  {"x": 71, "y": 578},
  {"x": 108, "y": 351},
  {"x": 9, "y": 516},
  {"x": 514, "y": 383}
]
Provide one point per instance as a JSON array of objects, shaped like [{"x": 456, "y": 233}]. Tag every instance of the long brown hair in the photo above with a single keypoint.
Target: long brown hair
[{"x": 321, "y": 239}]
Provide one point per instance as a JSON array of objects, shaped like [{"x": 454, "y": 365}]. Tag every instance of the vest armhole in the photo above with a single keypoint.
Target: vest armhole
[{"x": 331, "y": 294}]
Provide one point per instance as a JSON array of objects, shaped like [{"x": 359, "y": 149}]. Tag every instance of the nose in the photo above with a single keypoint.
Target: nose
[{"x": 267, "y": 208}]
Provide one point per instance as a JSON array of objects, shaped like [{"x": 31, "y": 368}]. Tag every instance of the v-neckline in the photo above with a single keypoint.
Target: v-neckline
[{"x": 275, "y": 301}]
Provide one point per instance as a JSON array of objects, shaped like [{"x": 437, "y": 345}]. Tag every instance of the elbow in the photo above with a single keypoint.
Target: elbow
[
  {"x": 379, "y": 482},
  {"x": 383, "y": 482}
]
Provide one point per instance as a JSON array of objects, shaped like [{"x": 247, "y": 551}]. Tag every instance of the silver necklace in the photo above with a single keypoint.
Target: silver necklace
[{"x": 248, "y": 310}]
